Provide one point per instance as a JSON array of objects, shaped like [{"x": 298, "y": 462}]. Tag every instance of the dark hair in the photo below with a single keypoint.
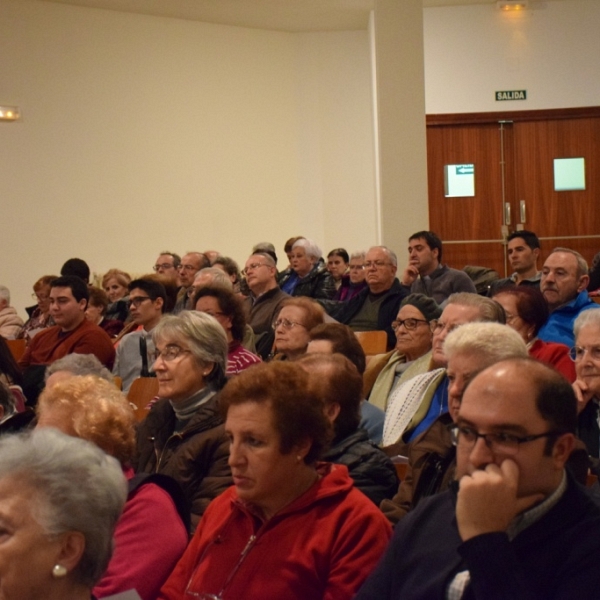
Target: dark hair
[
  {"x": 531, "y": 305},
  {"x": 170, "y": 286},
  {"x": 431, "y": 239},
  {"x": 315, "y": 315},
  {"x": 78, "y": 287},
  {"x": 341, "y": 253},
  {"x": 230, "y": 305},
  {"x": 297, "y": 410},
  {"x": 7, "y": 401},
  {"x": 176, "y": 257},
  {"x": 8, "y": 364},
  {"x": 155, "y": 289},
  {"x": 527, "y": 236},
  {"x": 98, "y": 297},
  {"x": 230, "y": 266},
  {"x": 343, "y": 341},
  {"x": 289, "y": 244},
  {"x": 335, "y": 379},
  {"x": 76, "y": 267}
]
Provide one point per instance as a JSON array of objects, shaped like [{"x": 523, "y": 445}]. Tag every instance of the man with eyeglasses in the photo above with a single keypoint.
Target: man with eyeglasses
[
  {"x": 264, "y": 300},
  {"x": 418, "y": 401},
  {"x": 514, "y": 523},
  {"x": 167, "y": 263},
  {"x": 190, "y": 264},
  {"x": 147, "y": 299},
  {"x": 375, "y": 307},
  {"x": 425, "y": 273}
]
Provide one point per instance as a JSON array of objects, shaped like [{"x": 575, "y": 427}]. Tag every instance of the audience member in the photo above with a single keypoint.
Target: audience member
[
  {"x": 376, "y": 306},
  {"x": 337, "y": 265},
  {"x": 212, "y": 256},
  {"x": 308, "y": 275},
  {"x": 115, "y": 283},
  {"x": 10, "y": 322},
  {"x": 208, "y": 277},
  {"x": 78, "y": 365},
  {"x": 11, "y": 421},
  {"x": 231, "y": 269},
  {"x": 412, "y": 353},
  {"x": 301, "y": 528},
  {"x": 431, "y": 456},
  {"x": 353, "y": 282},
  {"x": 264, "y": 300},
  {"x": 526, "y": 312},
  {"x": 265, "y": 248},
  {"x": 40, "y": 315},
  {"x": 227, "y": 309},
  {"x": 72, "y": 333},
  {"x": 10, "y": 373},
  {"x": 337, "y": 382},
  {"x": 190, "y": 264},
  {"x": 96, "y": 312},
  {"x": 183, "y": 434},
  {"x": 150, "y": 536},
  {"x": 564, "y": 285},
  {"x": 76, "y": 267},
  {"x": 167, "y": 264},
  {"x": 292, "y": 327},
  {"x": 427, "y": 275},
  {"x": 416, "y": 403},
  {"x": 502, "y": 530},
  {"x": 146, "y": 303},
  {"x": 60, "y": 499},
  {"x": 523, "y": 249}
]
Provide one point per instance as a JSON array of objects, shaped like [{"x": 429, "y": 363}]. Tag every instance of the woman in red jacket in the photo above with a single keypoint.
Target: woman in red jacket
[{"x": 290, "y": 527}]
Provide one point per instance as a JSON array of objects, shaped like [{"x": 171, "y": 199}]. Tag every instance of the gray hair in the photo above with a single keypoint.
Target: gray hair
[
  {"x": 582, "y": 266},
  {"x": 587, "y": 317},
  {"x": 359, "y": 254},
  {"x": 269, "y": 260},
  {"x": 80, "y": 364},
  {"x": 204, "y": 335},
  {"x": 490, "y": 342},
  {"x": 310, "y": 248},
  {"x": 391, "y": 254},
  {"x": 5, "y": 294},
  {"x": 489, "y": 310},
  {"x": 218, "y": 277},
  {"x": 77, "y": 487}
]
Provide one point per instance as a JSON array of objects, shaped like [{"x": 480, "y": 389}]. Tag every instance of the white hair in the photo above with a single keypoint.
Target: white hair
[{"x": 310, "y": 248}]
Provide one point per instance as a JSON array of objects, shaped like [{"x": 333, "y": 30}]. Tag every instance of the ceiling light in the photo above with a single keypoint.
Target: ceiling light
[
  {"x": 512, "y": 5},
  {"x": 9, "y": 113}
]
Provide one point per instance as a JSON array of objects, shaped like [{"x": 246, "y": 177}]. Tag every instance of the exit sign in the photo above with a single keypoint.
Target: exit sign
[{"x": 511, "y": 95}]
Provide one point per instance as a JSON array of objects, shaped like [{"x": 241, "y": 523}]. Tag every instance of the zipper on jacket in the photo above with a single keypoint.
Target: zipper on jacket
[{"x": 160, "y": 456}]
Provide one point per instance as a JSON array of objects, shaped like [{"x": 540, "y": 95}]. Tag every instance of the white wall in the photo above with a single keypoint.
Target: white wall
[
  {"x": 146, "y": 133},
  {"x": 551, "y": 50}
]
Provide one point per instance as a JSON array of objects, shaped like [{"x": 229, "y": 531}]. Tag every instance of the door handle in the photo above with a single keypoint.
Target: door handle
[
  {"x": 507, "y": 213},
  {"x": 523, "y": 211}
]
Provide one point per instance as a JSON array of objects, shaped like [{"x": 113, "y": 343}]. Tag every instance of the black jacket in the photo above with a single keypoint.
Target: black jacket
[{"x": 317, "y": 284}]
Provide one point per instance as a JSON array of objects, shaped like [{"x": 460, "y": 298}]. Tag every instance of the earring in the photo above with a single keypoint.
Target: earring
[{"x": 59, "y": 571}]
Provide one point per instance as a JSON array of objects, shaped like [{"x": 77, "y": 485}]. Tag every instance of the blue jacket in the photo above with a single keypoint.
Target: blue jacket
[{"x": 559, "y": 326}]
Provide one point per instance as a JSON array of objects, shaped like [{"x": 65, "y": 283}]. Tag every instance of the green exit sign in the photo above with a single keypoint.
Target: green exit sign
[{"x": 511, "y": 95}]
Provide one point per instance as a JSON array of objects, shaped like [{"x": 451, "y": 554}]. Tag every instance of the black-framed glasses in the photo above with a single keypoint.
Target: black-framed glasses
[
  {"x": 409, "y": 324},
  {"x": 286, "y": 324},
  {"x": 578, "y": 352},
  {"x": 501, "y": 443},
  {"x": 171, "y": 352},
  {"x": 138, "y": 300}
]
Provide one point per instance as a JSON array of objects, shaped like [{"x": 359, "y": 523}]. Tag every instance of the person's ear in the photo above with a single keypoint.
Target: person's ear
[
  {"x": 562, "y": 449},
  {"x": 71, "y": 550},
  {"x": 583, "y": 283},
  {"x": 332, "y": 411}
]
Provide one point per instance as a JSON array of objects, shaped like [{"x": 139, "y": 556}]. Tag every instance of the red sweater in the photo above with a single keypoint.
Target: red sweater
[
  {"x": 52, "y": 343},
  {"x": 556, "y": 355},
  {"x": 149, "y": 540},
  {"x": 321, "y": 546}
]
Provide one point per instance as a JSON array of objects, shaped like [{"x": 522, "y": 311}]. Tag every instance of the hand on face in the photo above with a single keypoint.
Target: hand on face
[
  {"x": 410, "y": 274},
  {"x": 583, "y": 393},
  {"x": 487, "y": 500}
]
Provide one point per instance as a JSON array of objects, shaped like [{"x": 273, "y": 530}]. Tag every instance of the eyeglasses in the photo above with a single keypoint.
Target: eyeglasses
[
  {"x": 165, "y": 266},
  {"x": 171, "y": 352},
  {"x": 437, "y": 326},
  {"x": 375, "y": 263},
  {"x": 39, "y": 297},
  {"x": 286, "y": 324},
  {"x": 577, "y": 353},
  {"x": 501, "y": 443},
  {"x": 409, "y": 324},
  {"x": 356, "y": 267},
  {"x": 137, "y": 301},
  {"x": 187, "y": 268},
  {"x": 252, "y": 267}
]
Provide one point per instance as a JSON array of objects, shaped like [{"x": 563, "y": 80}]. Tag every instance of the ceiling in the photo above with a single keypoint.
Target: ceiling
[{"x": 281, "y": 15}]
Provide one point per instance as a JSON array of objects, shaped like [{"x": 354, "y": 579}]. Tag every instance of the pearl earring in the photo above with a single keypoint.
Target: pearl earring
[{"x": 59, "y": 571}]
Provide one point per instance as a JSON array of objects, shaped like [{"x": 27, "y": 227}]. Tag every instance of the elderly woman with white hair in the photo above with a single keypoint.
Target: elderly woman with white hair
[
  {"x": 183, "y": 434},
  {"x": 308, "y": 275},
  {"x": 60, "y": 499}
]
